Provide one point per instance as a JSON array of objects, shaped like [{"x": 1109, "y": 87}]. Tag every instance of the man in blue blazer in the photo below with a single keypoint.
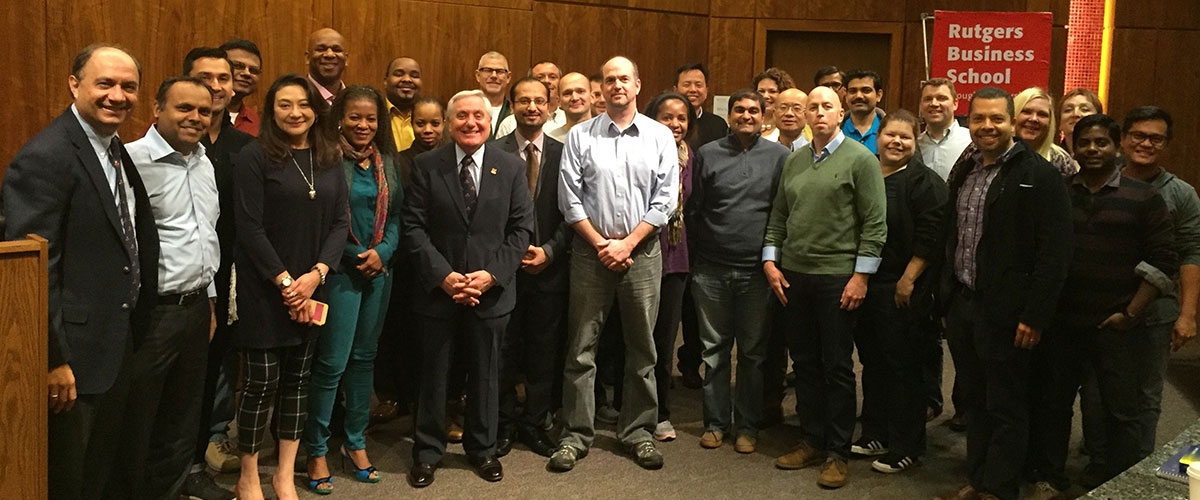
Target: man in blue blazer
[
  {"x": 75, "y": 185},
  {"x": 468, "y": 219}
]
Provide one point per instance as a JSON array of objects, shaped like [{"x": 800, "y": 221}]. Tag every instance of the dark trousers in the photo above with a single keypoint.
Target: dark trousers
[
  {"x": 84, "y": 442},
  {"x": 478, "y": 342},
  {"x": 821, "y": 343},
  {"x": 775, "y": 363},
  {"x": 891, "y": 346},
  {"x": 217, "y": 404},
  {"x": 396, "y": 361},
  {"x": 996, "y": 374},
  {"x": 666, "y": 328},
  {"x": 274, "y": 379},
  {"x": 531, "y": 346},
  {"x": 166, "y": 387},
  {"x": 931, "y": 367},
  {"x": 692, "y": 350}
]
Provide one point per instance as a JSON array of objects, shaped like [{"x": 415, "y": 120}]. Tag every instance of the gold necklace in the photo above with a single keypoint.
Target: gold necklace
[{"x": 312, "y": 189}]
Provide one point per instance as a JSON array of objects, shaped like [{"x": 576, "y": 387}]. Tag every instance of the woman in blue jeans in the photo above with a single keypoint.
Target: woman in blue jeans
[{"x": 358, "y": 296}]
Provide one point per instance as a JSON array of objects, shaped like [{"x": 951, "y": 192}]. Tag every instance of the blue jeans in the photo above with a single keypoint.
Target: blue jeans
[{"x": 731, "y": 305}]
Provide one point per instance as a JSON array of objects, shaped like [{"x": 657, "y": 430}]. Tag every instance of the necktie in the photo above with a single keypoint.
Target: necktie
[
  {"x": 470, "y": 196},
  {"x": 128, "y": 235},
  {"x": 533, "y": 168}
]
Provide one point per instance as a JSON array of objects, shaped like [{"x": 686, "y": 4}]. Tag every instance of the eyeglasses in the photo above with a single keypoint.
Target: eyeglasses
[
  {"x": 784, "y": 108},
  {"x": 525, "y": 101},
  {"x": 832, "y": 85},
  {"x": 493, "y": 71},
  {"x": 238, "y": 66},
  {"x": 1156, "y": 140}
]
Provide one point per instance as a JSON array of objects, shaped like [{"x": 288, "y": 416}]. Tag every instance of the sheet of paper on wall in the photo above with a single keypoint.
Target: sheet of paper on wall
[{"x": 721, "y": 106}]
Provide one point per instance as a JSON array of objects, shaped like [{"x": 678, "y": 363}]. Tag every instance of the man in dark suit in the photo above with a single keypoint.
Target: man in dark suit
[
  {"x": 533, "y": 340},
  {"x": 691, "y": 80},
  {"x": 469, "y": 218},
  {"x": 75, "y": 185},
  {"x": 1008, "y": 248}
]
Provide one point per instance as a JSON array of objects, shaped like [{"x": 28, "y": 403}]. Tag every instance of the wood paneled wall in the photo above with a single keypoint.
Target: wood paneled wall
[{"x": 447, "y": 37}]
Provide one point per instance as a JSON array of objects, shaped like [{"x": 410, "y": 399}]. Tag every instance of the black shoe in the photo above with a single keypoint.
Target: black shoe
[
  {"x": 538, "y": 442},
  {"x": 504, "y": 443},
  {"x": 488, "y": 468},
  {"x": 421, "y": 475},
  {"x": 200, "y": 485},
  {"x": 692, "y": 378},
  {"x": 957, "y": 423}
]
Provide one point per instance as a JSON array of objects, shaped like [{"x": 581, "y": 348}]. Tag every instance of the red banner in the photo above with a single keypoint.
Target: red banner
[{"x": 1010, "y": 50}]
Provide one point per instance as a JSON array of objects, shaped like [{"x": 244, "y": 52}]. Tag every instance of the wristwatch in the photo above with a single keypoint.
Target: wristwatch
[{"x": 285, "y": 282}]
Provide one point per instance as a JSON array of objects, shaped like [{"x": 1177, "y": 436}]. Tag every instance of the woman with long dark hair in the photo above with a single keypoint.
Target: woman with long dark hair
[
  {"x": 292, "y": 220},
  {"x": 358, "y": 297}
]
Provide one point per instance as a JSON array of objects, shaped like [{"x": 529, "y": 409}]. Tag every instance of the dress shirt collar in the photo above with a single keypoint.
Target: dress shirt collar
[
  {"x": 953, "y": 129},
  {"x": 394, "y": 111},
  {"x": 1114, "y": 179},
  {"x": 99, "y": 143},
  {"x": 522, "y": 142},
  {"x": 325, "y": 93},
  {"x": 459, "y": 154},
  {"x": 831, "y": 147},
  {"x": 160, "y": 151},
  {"x": 977, "y": 156},
  {"x": 607, "y": 124}
]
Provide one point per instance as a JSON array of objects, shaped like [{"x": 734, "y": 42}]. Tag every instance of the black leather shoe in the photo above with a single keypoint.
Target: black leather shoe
[
  {"x": 487, "y": 467},
  {"x": 538, "y": 441},
  {"x": 421, "y": 475},
  {"x": 504, "y": 443}
]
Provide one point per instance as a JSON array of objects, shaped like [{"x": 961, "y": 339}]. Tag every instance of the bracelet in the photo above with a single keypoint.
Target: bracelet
[{"x": 318, "y": 270}]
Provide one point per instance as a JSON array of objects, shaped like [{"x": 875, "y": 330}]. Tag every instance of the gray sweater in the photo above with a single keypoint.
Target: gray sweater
[{"x": 732, "y": 191}]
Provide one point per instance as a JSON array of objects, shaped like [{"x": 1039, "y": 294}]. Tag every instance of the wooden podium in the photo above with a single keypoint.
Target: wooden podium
[{"x": 23, "y": 331}]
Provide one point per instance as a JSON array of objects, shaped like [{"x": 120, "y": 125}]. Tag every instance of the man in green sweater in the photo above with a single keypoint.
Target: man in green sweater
[{"x": 825, "y": 236}]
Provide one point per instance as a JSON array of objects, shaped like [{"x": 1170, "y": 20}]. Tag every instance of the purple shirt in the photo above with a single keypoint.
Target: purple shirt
[
  {"x": 675, "y": 257},
  {"x": 970, "y": 208}
]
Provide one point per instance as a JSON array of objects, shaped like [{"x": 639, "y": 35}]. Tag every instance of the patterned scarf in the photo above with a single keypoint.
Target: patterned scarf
[
  {"x": 371, "y": 159},
  {"x": 675, "y": 225}
]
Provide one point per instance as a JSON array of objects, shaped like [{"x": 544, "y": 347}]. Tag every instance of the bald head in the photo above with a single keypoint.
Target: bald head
[
  {"x": 824, "y": 114},
  {"x": 326, "y": 56},
  {"x": 621, "y": 85},
  {"x": 575, "y": 96},
  {"x": 789, "y": 112}
]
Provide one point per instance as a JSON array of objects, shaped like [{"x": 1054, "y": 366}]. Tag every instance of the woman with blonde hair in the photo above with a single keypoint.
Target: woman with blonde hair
[{"x": 1036, "y": 125}]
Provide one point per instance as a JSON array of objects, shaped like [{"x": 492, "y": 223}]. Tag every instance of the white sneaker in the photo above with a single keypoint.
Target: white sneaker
[{"x": 664, "y": 431}]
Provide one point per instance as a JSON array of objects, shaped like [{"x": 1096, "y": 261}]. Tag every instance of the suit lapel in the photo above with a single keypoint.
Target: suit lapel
[
  {"x": 487, "y": 186},
  {"x": 95, "y": 171},
  {"x": 449, "y": 170}
]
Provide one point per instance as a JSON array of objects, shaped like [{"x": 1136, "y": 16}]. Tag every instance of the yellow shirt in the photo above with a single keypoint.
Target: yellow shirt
[{"x": 402, "y": 131}]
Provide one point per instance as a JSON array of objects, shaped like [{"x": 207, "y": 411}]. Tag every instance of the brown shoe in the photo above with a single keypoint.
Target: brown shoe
[
  {"x": 454, "y": 432},
  {"x": 833, "y": 474},
  {"x": 744, "y": 444},
  {"x": 965, "y": 492},
  {"x": 711, "y": 439},
  {"x": 803, "y": 455}
]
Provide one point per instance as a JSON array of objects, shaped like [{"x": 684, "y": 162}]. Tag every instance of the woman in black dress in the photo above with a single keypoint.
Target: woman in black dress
[{"x": 292, "y": 221}]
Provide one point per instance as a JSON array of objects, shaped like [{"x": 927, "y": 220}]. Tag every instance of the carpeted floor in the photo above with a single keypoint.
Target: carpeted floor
[{"x": 692, "y": 472}]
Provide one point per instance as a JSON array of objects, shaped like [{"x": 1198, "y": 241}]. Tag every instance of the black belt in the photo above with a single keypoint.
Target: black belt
[{"x": 182, "y": 299}]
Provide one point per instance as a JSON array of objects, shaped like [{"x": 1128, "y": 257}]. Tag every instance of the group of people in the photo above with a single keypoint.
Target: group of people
[{"x": 509, "y": 253}]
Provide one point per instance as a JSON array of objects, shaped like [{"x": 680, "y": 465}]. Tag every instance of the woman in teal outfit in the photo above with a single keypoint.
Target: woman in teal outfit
[{"x": 358, "y": 296}]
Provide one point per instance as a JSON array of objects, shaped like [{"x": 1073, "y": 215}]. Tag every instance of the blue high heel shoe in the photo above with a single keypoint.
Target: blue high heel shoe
[
  {"x": 315, "y": 485},
  {"x": 367, "y": 475}
]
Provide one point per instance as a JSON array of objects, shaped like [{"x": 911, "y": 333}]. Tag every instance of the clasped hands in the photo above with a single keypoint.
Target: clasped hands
[
  {"x": 296, "y": 296},
  {"x": 465, "y": 289},
  {"x": 615, "y": 254}
]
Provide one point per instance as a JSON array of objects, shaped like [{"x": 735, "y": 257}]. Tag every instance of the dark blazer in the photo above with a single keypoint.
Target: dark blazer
[
  {"x": 550, "y": 231},
  {"x": 56, "y": 188},
  {"x": 709, "y": 127},
  {"x": 1025, "y": 250},
  {"x": 442, "y": 239}
]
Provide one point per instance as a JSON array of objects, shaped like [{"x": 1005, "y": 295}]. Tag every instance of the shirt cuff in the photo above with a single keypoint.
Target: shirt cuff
[
  {"x": 574, "y": 214},
  {"x": 1154, "y": 276},
  {"x": 866, "y": 265},
  {"x": 770, "y": 253},
  {"x": 656, "y": 218},
  {"x": 212, "y": 290}
]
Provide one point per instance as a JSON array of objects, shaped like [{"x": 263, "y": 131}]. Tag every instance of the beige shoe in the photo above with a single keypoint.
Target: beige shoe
[
  {"x": 803, "y": 455},
  {"x": 222, "y": 456},
  {"x": 1044, "y": 491},
  {"x": 833, "y": 475},
  {"x": 965, "y": 492},
  {"x": 744, "y": 444},
  {"x": 711, "y": 439}
]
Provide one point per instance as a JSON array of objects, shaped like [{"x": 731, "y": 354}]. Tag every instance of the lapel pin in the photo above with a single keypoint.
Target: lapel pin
[{"x": 493, "y": 171}]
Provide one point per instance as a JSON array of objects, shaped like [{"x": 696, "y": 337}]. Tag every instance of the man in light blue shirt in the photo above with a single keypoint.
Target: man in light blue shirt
[
  {"x": 168, "y": 370},
  {"x": 619, "y": 184}
]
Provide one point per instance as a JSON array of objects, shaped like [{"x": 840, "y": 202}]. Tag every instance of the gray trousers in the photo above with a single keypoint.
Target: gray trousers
[{"x": 593, "y": 288}]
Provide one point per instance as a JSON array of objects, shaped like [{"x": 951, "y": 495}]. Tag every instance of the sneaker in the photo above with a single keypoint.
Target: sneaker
[
  {"x": 564, "y": 458},
  {"x": 647, "y": 456},
  {"x": 892, "y": 463},
  {"x": 744, "y": 444},
  {"x": 222, "y": 456},
  {"x": 803, "y": 455},
  {"x": 833, "y": 474},
  {"x": 868, "y": 447},
  {"x": 711, "y": 439},
  {"x": 1044, "y": 491},
  {"x": 606, "y": 414},
  {"x": 664, "y": 431},
  {"x": 200, "y": 485}
]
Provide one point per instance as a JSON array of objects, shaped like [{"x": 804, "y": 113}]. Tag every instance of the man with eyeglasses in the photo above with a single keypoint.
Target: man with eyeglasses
[
  {"x": 246, "y": 61},
  {"x": 493, "y": 75},
  {"x": 549, "y": 74},
  {"x": 830, "y": 76},
  {"x": 1171, "y": 319}
]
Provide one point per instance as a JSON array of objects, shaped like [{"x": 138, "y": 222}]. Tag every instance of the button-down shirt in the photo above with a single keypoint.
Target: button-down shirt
[
  {"x": 941, "y": 154},
  {"x": 617, "y": 177},
  {"x": 246, "y": 120},
  {"x": 326, "y": 93},
  {"x": 100, "y": 146},
  {"x": 522, "y": 143},
  {"x": 402, "y": 130},
  {"x": 459, "y": 154},
  {"x": 557, "y": 119},
  {"x": 869, "y": 139},
  {"x": 970, "y": 207},
  {"x": 183, "y": 195}
]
